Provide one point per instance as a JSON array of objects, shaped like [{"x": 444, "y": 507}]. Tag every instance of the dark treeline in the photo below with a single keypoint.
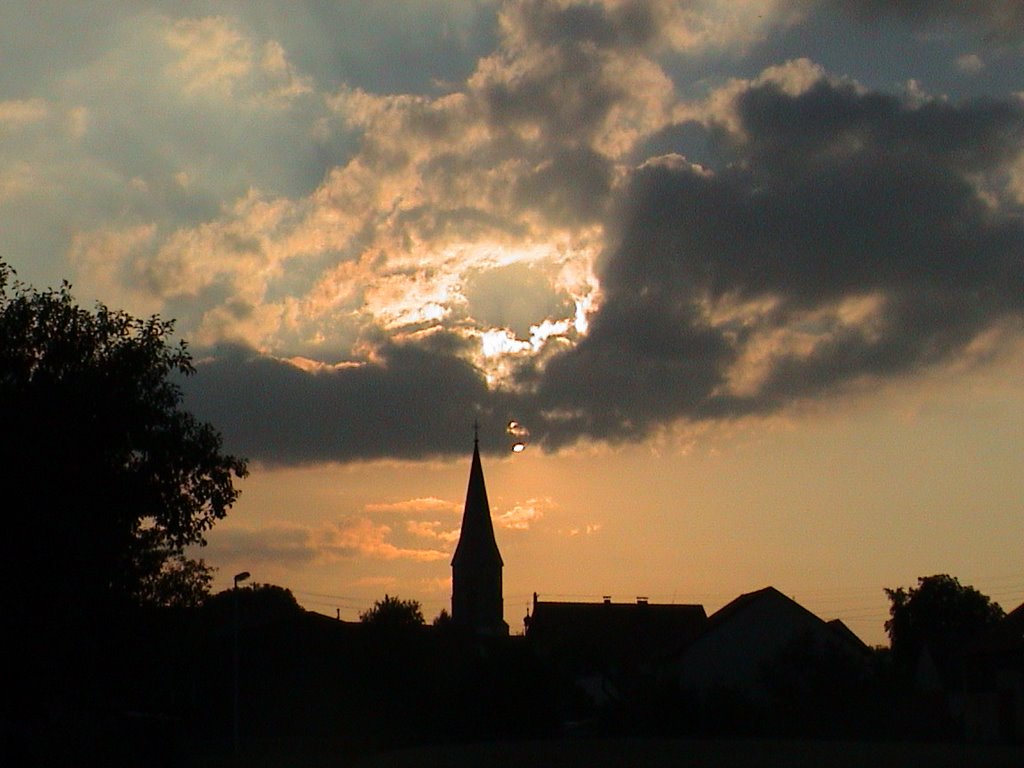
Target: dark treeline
[{"x": 158, "y": 687}]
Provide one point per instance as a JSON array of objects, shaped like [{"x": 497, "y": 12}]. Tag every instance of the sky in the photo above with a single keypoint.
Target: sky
[{"x": 749, "y": 275}]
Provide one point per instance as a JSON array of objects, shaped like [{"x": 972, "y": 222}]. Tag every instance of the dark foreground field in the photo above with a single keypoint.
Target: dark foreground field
[{"x": 641, "y": 753}]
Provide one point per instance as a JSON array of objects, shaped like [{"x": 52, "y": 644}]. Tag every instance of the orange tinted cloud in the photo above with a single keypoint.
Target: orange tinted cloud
[
  {"x": 426, "y": 504},
  {"x": 361, "y": 537}
]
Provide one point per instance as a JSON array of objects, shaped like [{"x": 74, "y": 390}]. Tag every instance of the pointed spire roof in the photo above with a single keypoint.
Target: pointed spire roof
[{"x": 476, "y": 540}]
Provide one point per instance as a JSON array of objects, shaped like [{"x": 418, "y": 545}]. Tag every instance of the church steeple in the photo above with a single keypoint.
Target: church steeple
[{"x": 477, "y": 603}]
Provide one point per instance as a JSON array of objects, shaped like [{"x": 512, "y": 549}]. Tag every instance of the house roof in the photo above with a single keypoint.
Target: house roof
[
  {"x": 477, "y": 545},
  {"x": 838, "y": 627},
  {"x": 1005, "y": 637},
  {"x": 741, "y": 603},
  {"x": 613, "y": 633},
  {"x": 732, "y": 609}
]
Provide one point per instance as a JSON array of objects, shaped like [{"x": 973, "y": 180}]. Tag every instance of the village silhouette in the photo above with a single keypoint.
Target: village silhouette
[{"x": 250, "y": 676}]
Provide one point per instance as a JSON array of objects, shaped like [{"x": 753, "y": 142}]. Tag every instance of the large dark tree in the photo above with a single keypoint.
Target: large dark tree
[
  {"x": 106, "y": 479},
  {"x": 939, "y": 614}
]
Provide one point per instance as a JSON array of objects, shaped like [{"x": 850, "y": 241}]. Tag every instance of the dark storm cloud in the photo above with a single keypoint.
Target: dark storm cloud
[
  {"x": 648, "y": 360},
  {"x": 567, "y": 96},
  {"x": 572, "y": 186},
  {"x": 414, "y": 402},
  {"x": 825, "y": 194},
  {"x": 565, "y": 81},
  {"x": 824, "y": 197},
  {"x": 621, "y": 25},
  {"x": 828, "y": 195}
]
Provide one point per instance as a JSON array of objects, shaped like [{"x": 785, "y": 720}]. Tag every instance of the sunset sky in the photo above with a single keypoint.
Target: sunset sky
[{"x": 750, "y": 273}]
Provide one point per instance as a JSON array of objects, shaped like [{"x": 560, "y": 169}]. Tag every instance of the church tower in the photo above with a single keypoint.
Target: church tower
[{"x": 477, "y": 603}]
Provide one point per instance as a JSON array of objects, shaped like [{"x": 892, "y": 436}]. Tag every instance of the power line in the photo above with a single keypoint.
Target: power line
[{"x": 341, "y": 598}]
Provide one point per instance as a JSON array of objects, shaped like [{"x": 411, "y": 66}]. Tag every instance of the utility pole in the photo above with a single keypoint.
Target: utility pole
[{"x": 238, "y": 579}]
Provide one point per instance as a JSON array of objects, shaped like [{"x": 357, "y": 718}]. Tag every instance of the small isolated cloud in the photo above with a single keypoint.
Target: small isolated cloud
[
  {"x": 970, "y": 63},
  {"x": 521, "y": 516},
  {"x": 587, "y": 530}
]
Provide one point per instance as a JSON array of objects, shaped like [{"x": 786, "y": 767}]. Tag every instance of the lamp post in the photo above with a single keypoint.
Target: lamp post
[{"x": 239, "y": 578}]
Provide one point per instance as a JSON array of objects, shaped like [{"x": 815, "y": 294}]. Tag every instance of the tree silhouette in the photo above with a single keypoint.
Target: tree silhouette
[
  {"x": 393, "y": 613},
  {"x": 106, "y": 478},
  {"x": 259, "y": 604},
  {"x": 182, "y": 582},
  {"x": 939, "y": 614}
]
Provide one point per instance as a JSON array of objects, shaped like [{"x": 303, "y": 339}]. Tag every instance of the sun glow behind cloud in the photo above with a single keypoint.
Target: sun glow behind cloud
[{"x": 383, "y": 245}]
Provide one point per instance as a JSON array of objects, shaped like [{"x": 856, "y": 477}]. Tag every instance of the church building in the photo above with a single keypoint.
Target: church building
[{"x": 477, "y": 603}]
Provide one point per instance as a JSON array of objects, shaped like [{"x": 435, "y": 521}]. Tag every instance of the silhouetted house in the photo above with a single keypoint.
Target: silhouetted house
[
  {"x": 755, "y": 636},
  {"x": 611, "y": 638},
  {"x": 994, "y": 682},
  {"x": 477, "y": 603}
]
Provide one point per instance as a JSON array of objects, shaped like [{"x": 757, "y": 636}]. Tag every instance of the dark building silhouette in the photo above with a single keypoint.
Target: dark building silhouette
[
  {"x": 477, "y": 604},
  {"x": 599, "y": 637},
  {"x": 993, "y": 676},
  {"x": 757, "y": 629}
]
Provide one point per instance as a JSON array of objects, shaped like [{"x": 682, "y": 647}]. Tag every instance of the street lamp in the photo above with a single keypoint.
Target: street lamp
[{"x": 239, "y": 578}]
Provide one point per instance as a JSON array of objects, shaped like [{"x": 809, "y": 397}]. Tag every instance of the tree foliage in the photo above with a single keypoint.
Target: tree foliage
[
  {"x": 393, "y": 613},
  {"x": 113, "y": 479},
  {"x": 940, "y": 614},
  {"x": 256, "y": 603},
  {"x": 181, "y": 582}
]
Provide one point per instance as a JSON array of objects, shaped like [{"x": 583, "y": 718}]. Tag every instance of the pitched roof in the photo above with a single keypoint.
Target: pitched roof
[
  {"x": 838, "y": 626},
  {"x": 607, "y": 632},
  {"x": 730, "y": 610},
  {"x": 1007, "y": 636},
  {"x": 477, "y": 545}
]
